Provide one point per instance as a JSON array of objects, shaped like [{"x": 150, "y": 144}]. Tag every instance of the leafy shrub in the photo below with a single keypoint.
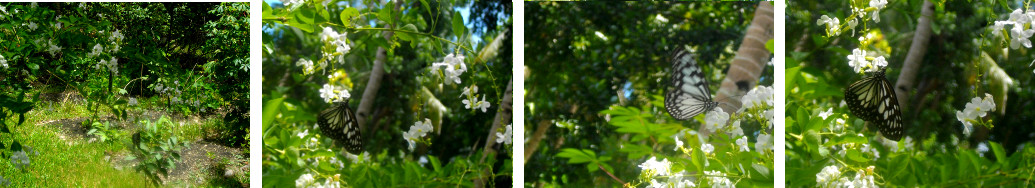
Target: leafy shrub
[{"x": 157, "y": 148}]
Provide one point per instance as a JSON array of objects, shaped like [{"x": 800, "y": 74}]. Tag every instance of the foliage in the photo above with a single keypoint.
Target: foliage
[
  {"x": 334, "y": 46},
  {"x": 588, "y": 64},
  {"x": 964, "y": 60},
  {"x": 157, "y": 148}
]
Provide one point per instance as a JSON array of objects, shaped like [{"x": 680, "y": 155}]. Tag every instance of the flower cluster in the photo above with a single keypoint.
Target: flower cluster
[
  {"x": 173, "y": 92},
  {"x": 975, "y": 109},
  {"x": 506, "y": 136},
  {"x": 1019, "y": 35},
  {"x": 331, "y": 93},
  {"x": 308, "y": 181},
  {"x": 471, "y": 92},
  {"x": 335, "y": 45},
  {"x": 715, "y": 120},
  {"x": 833, "y": 24},
  {"x": 53, "y": 49},
  {"x": 132, "y": 101},
  {"x": 3, "y": 62},
  {"x": 417, "y": 132},
  {"x": 656, "y": 168},
  {"x": 718, "y": 179},
  {"x": 307, "y": 66},
  {"x": 454, "y": 67},
  {"x": 859, "y": 63},
  {"x": 831, "y": 176},
  {"x": 111, "y": 65}
]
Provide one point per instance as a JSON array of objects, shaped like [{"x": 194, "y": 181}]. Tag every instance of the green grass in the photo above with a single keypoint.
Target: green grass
[
  {"x": 79, "y": 163},
  {"x": 60, "y": 165}
]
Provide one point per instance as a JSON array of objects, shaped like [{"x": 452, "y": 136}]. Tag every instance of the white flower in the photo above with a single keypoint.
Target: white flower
[
  {"x": 679, "y": 143},
  {"x": 1018, "y": 16},
  {"x": 827, "y": 176},
  {"x": 454, "y": 67},
  {"x": 484, "y": 105},
  {"x": 32, "y": 26},
  {"x": 307, "y": 66},
  {"x": 833, "y": 24},
  {"x": 330, "y": 184},
  {"x": 718, "y": 179},
  {"x": 469, "y": 91},
  {"x": 506, "y": 136},
  {"x": 411, "y": 139},
  {"x": 339, "y": 43},
  {"x": 658, "y": 168},
  {"x": 655, "y": 184},
  {"x": 878, "y": 4},
  {"x": 1020, "y": 37},
  {"x": 862, "y": 180},
  {"x": 826, "y": 114},
  {"x": 114, "y": 47},
  {"x": 132, "y": 101},
  {"x": 54, "y": 48},
  {"x": 743, "y": 143},
  {"x": 977, "y": 108},
  {"x": 761, "y": 96},
  {"x": 715, "y": 119},
  {"x": 116, "y": 36},
  {"x": 736, "y": 130},
  {"x": 331, "y": 93},
  {"x": 306, "y": 180},
  {"x": 303, "y": 133},
  {"x": 707, "y": 148},
  {"x": 3, "y": 62},
  {"x": 878, "y": 63},
  {"x": 858, "y": 60},
  {"x": 97, "y": 49},
  {"x": 764, "y": 143},
  {"x": 839, "y": 124},
  {"x": 982, "y": 148},
  {"x": 998, "y": 27},
  {"x": 20, "y": 159}
]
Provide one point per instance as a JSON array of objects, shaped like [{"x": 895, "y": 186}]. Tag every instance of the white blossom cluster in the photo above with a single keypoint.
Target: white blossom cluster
[
  {"x": 506, "y": 136},
  {"x": 172, "y": 92},
  {"x": 336, "y": 45},
  {"x": 656, "y": 168},
  {"x": 3, "y": 62},
  {"x": 831, "y": 176},
  {"x": 308, "y": 181},
  {"x": 833, "y": 24},
  {"x": 307, "y": 66},
  {"x": 718, "y": 179},
  {"x": 453, "y": 65},
  {"x": 976, "y": 109},
  {"x": 111, "y": 65},
  {"x": 332, "y": 93},
  {"x": 859, "y": 63},
  {"x": 52, "y": 48},
  {"x": 132, "y": 101},
  {"x": 681, "y": 179},
  {"x": 1018, "y": 34},
  {"x": 471, "y": 101},
  {"x": 417, "y": 132},
  {"x": 20, "y": 159},
  {"x": 715, "y": 120}
]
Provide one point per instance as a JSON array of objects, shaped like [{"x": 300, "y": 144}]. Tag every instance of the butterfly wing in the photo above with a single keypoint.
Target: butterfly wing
[
  {"x": 873, "y": 99},
  {"x": 339, "y": 123},
  {"x": 690, "y": 95}
]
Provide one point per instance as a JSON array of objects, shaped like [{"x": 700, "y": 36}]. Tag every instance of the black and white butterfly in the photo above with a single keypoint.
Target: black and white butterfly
[
  {"x": 873, "y": 99},
  {"x": 339, "y": 123},
  {"x": 690, "y": 95}
]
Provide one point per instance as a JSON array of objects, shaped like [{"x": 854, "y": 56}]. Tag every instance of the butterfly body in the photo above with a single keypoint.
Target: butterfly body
[
  {"x": 340, "y": 124},
  {"x": 690, "y": 95},
  {"x": 873, "y": 99}
]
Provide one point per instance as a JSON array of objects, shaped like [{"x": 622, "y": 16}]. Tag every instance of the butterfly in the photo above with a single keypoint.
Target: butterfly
[
  {"x": 690, "y": 95},
  {"x": 873, "y": 99},
  {"x": 339, "y": 123}
]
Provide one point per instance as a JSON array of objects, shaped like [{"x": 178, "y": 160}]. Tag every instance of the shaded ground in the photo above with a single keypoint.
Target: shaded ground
[{"x": 201, "y": 162}]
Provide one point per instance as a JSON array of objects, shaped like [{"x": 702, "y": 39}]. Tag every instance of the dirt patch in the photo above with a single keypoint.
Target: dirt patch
[{"x": 203, "y": 160}]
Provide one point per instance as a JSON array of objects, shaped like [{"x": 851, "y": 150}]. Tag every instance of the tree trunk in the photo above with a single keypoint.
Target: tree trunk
[
  {"x": 374, "y": 83},
  {"x": 502, "y": 116},
  {"x": 911, "y": 65},
  {"x": 750, "y": 60}
]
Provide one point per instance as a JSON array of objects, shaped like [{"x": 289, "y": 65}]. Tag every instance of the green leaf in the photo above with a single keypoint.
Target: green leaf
[
  {"x": 347, "y": 15},
  {"x": 385, "y": 14},
  {"x": 769, "y": 45},
  {"x": 407, "y": 36},
  {"x": 270, "y": 110},
  {"x": 458, "y": 24}
]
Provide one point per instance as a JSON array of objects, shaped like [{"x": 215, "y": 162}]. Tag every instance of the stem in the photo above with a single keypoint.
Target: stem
[{"x": 609, "y": 174}]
